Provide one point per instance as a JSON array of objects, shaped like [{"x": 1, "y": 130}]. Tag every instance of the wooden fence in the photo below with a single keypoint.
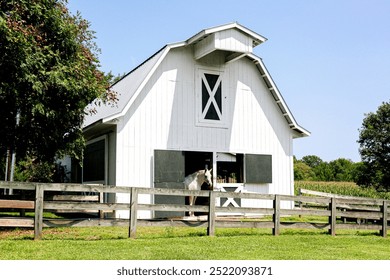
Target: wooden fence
[{"x": 375, "y": 211}]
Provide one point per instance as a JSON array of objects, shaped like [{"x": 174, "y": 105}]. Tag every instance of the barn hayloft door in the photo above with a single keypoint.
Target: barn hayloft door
[
  {"x": 169, "y": 172},
  {"x": 211, "y": 97}
]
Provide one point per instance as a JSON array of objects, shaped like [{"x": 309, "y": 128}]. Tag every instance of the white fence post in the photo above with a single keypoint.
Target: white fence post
[{"x": 133, "y": 213}]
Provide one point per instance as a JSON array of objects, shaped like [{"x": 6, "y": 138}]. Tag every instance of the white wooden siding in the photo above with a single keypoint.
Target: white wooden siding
[
  {"x": 164, "y": 117},
  {"x": 230, "y": 40},
  {"x": 233, "y": 40}
]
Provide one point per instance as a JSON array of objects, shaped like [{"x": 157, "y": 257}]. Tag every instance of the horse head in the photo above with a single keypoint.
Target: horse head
[{"x": 207, "y": 177}]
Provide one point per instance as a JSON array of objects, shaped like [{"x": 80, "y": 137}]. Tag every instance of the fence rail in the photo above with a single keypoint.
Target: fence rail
[{"x": 375, "y": 211}]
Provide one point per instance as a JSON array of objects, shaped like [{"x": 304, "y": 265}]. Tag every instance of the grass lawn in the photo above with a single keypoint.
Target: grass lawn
[{"x": 154, "y": 243}]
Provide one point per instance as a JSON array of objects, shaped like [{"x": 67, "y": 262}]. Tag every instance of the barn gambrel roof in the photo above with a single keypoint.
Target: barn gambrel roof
[{"x": 130, "y": 86}]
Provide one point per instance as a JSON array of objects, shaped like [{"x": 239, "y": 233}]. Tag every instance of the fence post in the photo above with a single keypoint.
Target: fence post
[
  {"x": 276, "y": 216},
  {"x": 101, "y": 200},
  {"x": 211, "y": 217},
  {"x": 300, "y": 201},
  {"x": 383, "y": 231},
  {"x": 332, "y": 217},
  {"x": 38, "y": 207},
  {"x": 133, "y": 213}
]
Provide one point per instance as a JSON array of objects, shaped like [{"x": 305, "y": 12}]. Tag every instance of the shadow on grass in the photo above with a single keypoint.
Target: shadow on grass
[{"x": 147, "y": 233}]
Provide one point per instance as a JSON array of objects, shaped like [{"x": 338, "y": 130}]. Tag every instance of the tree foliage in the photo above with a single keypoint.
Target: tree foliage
[
  {"x": 49, "y": 72},
  {"x": 303, "y": 172},
  {"x": 313, "y": 168},
  {"x": 312, "y": 161},
  {"x": 374, "y": 140}
]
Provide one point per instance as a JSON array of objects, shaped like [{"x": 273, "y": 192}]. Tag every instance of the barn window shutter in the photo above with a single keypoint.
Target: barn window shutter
[
  {"x": 258, "y": 168},
  {"x": 169, "y": 173},
  {"x": 168, "y": 166}
]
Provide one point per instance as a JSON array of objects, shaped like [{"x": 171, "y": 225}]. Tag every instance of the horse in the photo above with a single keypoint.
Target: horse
[{"x": 195, "y": 181}]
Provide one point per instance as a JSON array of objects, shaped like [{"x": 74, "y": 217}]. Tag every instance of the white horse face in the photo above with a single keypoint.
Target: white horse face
[{"x": 207, "y": 176}]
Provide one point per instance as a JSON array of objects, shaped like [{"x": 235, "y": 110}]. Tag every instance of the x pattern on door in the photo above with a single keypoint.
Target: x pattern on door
[
  {"x": 211, "y": 97},
  {"x": 231, "y": 200}
]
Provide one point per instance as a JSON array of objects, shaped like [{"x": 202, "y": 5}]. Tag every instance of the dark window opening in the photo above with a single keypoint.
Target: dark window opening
[
  {"x": 94, "y": 162},
  {"x": 258, "y": 168},
  {"x": 231, "y": 171},
  {"x": 195, "y": 161},
  {"x": 211, "y": 80},
  {"x": 212, "y": 113}
]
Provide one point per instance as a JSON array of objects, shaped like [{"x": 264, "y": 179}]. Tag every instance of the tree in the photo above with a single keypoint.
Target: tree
[
  {"x": 312, "y": 160},
  {"x": 374, "y": 140},
  {"x": 342, "y": 169},
  {"x": 313, "y": 168},
  {"x": 324, "y": 172},
  {"x": 302, "y": 172},
  {"x": 49, "y": 73}
]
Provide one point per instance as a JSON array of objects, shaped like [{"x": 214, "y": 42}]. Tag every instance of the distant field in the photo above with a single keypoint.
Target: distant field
[
  {"x": 343, "y": 188},
  {"x": 111, "y": 243}
]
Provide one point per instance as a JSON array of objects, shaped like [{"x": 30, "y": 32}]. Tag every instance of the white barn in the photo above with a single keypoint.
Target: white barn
[{"x": 204, "y": 102}]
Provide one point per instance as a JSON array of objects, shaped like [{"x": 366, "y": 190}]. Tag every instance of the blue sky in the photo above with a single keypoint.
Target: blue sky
[{"x": 329, "y": 58}]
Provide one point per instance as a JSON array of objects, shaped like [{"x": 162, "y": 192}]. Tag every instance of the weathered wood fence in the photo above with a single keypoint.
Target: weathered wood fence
[{"x": 375, "y": 210}]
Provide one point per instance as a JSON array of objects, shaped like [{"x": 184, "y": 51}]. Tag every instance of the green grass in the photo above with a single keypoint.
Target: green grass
[{"x": 153, "y": 243}]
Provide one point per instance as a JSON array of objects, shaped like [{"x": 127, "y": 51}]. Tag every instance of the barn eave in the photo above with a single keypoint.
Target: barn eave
[
  {"x": 257, "y": 38},
  {"x": 277, "y": 96},
  {"x": 98, "y": 128}
]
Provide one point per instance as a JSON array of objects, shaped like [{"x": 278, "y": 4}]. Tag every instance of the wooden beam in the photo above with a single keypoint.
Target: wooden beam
[
  {"x": 85, "y": 206},
  {"x": 173, "y": 207},
  {"x": 75, "y": 198},
  {"x": 356, "y": 200},
  {"x": 16, "y": 204},
  {"x": 17, "y": 222},
  {"x": 234, "y": 56}
]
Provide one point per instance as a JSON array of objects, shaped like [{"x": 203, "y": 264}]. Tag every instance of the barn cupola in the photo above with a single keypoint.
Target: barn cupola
[{"x": 233, "y": 40}]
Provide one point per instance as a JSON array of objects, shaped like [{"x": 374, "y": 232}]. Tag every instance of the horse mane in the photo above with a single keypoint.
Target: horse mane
[
  {"x": 199, "y": 172},
  {"x": 194, "y": 175}
]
